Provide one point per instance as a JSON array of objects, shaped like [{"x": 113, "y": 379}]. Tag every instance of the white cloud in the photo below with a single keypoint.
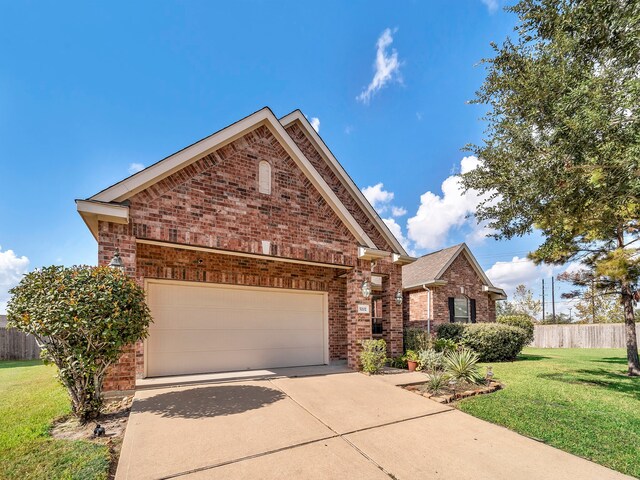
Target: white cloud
[
  {"x": 315, "y": 123},
  {"x": 492, "y": 5},
  {"x": 508, "y": 275},
  {"x": 419, "y": 116},
  {"x": 397, "y": 232},
  {"x": 377, "y": 196},
  {"x": 398, "y": 211},
  {"x": 135, "y": 168},
  {"x": 387, "y": 66},
  {"x": 11, "y": 270},
  {"x": 348, "y": 129},
  {"x": 438, "y": 214}
]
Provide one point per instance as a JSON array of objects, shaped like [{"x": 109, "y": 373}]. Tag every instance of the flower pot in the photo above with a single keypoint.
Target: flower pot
[{"x": 412, "y": 364}]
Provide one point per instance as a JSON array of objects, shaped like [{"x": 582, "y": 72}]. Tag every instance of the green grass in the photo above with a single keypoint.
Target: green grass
[
  {"x": 30, "y": 399},
  {"x": 578, "y": 400}
]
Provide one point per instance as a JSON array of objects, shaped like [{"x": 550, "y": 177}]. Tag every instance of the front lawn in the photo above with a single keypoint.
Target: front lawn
[
  {"x": 30, "y": 399},
  {"x": 578, "y": 400}
]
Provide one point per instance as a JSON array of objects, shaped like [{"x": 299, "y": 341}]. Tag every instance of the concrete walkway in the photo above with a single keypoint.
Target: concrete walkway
[{"x": 334, "y": 425}]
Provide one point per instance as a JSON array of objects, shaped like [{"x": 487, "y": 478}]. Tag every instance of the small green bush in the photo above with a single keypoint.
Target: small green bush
[
  {"x": 411, "y": 355},
  {"x": 494, "y": 342},
  {"x": 444, "y": 345},
  {"x": 416, "y": 339},
  {"x": 519, "y": 320},
  {"x": 451, "y": 331},
  {"x": 462, "y": 365},
  {"x": 430, "y": 360},
  {"x": 373, "y": 356},
  {"x": 436, "y": 381},
  {"x": 397, "y": 362}
]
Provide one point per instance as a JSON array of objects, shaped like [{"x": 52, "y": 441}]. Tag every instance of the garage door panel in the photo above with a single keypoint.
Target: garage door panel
[
  {"x": 209, "y": 318},
  {"x": 194, "y": 340},
  {"x": 225, "y": 361},
  {"x": 214, "y": 328}
]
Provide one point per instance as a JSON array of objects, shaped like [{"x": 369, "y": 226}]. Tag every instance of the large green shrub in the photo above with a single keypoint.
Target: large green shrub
[
  {"x": 494, "y": 342},
  {"x": 451, "y": 331},
  {"x": 519, "y": 320},
  {"x": 82, "y": 317},
  {"x": 373, "y": 355},
  {"x": 416, "y": 339}
]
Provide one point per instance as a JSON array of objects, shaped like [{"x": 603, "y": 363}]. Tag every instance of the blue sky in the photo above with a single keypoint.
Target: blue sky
[{"x": 89, "y": 90}]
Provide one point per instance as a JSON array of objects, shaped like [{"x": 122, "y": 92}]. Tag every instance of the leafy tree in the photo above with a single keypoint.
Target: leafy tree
[
  {"x": 596, "y": 301},
  {"x": 562, "y": 147},
  {"x": 82, "y": 317},
  {"x": 521, "y": 303}
]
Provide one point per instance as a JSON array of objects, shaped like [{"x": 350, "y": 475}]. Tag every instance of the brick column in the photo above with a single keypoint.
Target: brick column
[
  {"x": 358, "y": 325},
  {"x": 121, "y": 375},
  {"x": 393, "y": 311}
]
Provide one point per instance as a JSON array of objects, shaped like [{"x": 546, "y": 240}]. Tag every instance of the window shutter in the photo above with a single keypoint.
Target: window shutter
[
  {"x": 451, "y": 310},
  {"x": 472, "y": 307}
]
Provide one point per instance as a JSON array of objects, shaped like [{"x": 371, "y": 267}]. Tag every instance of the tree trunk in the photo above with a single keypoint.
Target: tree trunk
[{"x": 630, "y": 328}]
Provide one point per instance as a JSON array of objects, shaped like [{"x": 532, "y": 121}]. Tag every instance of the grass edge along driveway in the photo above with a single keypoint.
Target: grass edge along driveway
[
  {"x": 578, "y": 400},
  {"x": 30, "y": 400}
]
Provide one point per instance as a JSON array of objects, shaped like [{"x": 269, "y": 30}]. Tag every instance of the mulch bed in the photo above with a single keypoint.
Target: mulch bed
[
  {"x": 113, "y": 419},
  {"x": 447, "y": 395}
]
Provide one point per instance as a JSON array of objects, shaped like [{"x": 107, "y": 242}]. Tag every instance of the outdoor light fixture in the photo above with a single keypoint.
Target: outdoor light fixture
[
  {"x": 116, "y": 261},
  {"x": 366, "y": 289},
  {"x": 398, "y": 297}
]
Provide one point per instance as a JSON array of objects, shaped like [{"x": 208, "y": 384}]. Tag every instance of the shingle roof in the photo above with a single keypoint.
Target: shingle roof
[{"x": 429, "y": 267}]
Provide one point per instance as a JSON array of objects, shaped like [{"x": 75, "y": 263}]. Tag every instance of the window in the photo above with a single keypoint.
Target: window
[
  {"x": 264, "y": 177},
  {"x": 461, "y": 310},
  {"x": 376, "y": 315}
]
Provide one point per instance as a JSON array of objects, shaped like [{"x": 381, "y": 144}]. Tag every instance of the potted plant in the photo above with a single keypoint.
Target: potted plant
[{"x": 412, "y": 360}]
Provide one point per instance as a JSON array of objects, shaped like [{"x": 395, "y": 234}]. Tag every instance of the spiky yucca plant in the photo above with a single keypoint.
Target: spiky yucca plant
[{"x": 462, "y": 365}]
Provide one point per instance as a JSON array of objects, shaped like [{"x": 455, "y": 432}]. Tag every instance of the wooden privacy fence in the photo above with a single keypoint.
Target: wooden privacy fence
[
  {"x": 599, "y": 335},
  {"x": 16, "y": 345}
]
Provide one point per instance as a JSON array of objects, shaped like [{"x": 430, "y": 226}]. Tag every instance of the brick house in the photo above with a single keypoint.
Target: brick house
[
  {"x": 448, "y": 286},
  {"x": 253, "y": 246}
]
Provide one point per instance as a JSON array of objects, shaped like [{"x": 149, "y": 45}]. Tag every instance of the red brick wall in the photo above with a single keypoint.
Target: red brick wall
[
  {"x": 460, "y": 273},
  {"x": 304, "y": 143},
  {"x": 215, "y": 202}
]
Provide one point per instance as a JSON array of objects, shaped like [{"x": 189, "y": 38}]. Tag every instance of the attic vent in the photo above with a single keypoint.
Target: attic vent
[{"x": 264, "y": 177}]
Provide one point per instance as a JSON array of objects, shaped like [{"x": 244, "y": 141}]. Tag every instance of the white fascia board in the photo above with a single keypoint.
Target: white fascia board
[
  {"x": 365, "y": 253},
  {"x": 92, "y": 212},
  {"x": 153, "y": 174},
  {"x": 430, "y": 283},
  {"x": 402, "y": 259},
  {"x": 344, "y": 177}
]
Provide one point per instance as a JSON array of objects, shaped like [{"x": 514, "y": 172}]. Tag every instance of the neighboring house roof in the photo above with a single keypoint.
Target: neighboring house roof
[
  {"x": 430, "y": 268},
  {"x": 3, "y": 321},
  {"x": 110, "y": 204}
]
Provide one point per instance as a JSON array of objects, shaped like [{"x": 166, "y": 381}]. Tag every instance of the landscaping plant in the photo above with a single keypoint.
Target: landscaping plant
[
  {"x": 462, "y": 365},
  {"x": 373, "y": 356},
  {"x": 430, "y": 360},
  {"x": 436, "y": 381},
  {"x": 444, "y": 345},
  {"x": 520, "y": 320},
  {"x": 494, "y": 342},
  {"x": 416, "y": 339},
  {"x": 82, "y": 317},
  {"x": 451, "y": 331}
]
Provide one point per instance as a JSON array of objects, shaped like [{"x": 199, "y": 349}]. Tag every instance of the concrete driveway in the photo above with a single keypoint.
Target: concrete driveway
[{"x": 335, "y": 425}]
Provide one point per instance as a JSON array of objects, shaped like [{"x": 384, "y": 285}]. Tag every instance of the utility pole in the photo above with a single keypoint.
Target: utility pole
[
  {"x": 553, "y": 300},
  {"x": 593, "y": 302},
  {"x": 543, "y": 300},
  {"x": 570, "y": 314}
]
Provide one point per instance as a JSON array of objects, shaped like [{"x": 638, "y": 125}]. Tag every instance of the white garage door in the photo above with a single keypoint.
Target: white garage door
[{"x": 199, "y": 328}]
